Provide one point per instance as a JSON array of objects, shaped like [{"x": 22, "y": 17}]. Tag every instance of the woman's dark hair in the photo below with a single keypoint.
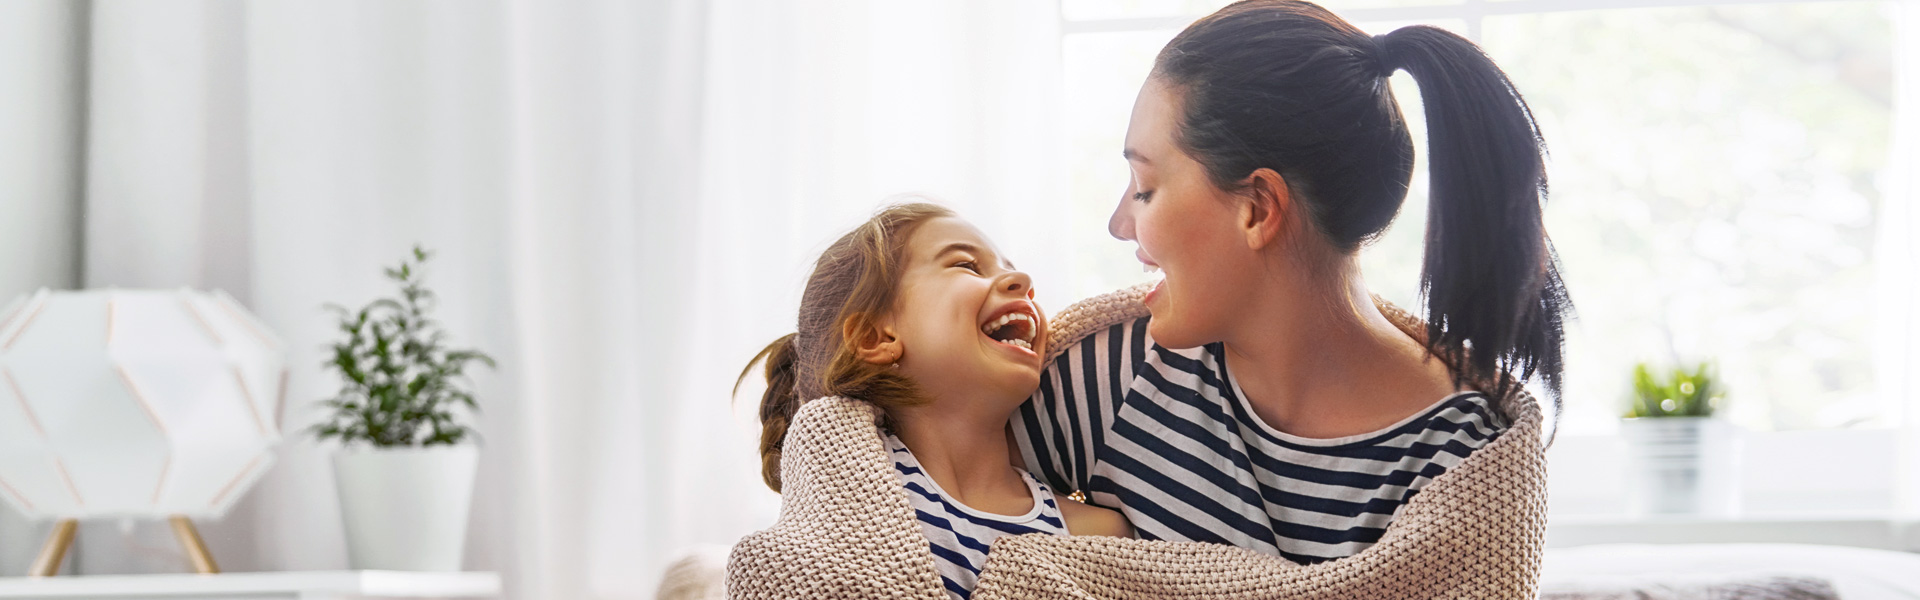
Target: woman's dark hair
[
  {"x": 1288, "y": 86},
  {"x": 852, "y": 287}
]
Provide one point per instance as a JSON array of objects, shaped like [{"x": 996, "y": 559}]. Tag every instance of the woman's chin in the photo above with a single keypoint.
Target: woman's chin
[{"x": 1166, "y": 331}]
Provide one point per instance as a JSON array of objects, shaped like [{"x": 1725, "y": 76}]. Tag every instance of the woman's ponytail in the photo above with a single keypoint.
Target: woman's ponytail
[
  {"x": 777, "y": 404},
  {"x": 1494, "y": 299}
]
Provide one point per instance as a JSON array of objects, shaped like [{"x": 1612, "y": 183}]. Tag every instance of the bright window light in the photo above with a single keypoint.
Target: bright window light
[{"x": 1717, "y": 177}]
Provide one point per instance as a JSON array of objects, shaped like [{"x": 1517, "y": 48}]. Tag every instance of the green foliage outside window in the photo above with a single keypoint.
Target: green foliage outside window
[{"x": 1678, "y": 393}]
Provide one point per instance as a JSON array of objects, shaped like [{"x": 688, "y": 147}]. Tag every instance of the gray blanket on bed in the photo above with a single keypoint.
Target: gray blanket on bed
[{"x": 1780, "y": 587}]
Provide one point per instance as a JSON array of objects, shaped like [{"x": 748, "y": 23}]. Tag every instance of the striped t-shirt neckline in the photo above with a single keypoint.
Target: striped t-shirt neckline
[
  {"x": 959, "y": 535},
  {"x": 1166, "y": 437},
  {"x": 1240, "y": 397}
]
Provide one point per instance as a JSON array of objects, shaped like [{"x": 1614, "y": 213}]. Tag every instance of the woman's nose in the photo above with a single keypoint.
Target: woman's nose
[{"x": 1120, "y": 225}]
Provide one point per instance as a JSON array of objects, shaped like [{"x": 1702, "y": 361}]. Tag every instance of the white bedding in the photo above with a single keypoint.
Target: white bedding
[{"x": 1856, "y": 573}]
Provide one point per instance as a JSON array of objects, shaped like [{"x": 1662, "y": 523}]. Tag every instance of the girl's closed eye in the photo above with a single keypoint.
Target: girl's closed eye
[
  {"x": 1143, "y": 195},
  {"x": 968, "y": 265}
]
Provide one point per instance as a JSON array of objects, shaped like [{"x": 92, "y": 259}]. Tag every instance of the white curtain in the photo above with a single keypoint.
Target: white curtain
[{"x": 625, "y": 198}]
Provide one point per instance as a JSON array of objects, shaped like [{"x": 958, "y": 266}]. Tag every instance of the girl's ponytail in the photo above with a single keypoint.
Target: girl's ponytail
[
  {"x": 1494, "y": 299},
  {"x": 777, "y": 404}
]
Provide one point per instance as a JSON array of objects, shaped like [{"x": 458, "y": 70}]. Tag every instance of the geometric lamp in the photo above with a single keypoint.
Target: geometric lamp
[{"x": 134, "y": 403}]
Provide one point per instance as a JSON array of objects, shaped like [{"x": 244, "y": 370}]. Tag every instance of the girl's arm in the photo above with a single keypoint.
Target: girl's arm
[{"x": 1087, "y": 519}]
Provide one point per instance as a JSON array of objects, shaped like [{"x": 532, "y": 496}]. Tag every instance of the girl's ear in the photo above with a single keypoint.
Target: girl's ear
[
  {"x": 1266, "y": 209},
  {"x": 874, "y": 342}
]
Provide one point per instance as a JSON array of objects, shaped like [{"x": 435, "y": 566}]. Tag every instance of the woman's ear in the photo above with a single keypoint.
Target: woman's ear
[
  {"x": 873, "y": 342},
  {"x": 1268, "y": 204}
]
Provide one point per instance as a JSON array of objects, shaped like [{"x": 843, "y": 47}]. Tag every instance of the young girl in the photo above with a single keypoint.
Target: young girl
[{"x": 917, "y": 313}]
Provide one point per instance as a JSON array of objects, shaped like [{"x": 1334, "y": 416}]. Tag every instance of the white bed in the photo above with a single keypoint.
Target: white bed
[{"x": 1856, "y": 573}]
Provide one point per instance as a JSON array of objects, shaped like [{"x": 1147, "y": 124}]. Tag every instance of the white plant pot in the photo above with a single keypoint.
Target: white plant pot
[
  {"x": 1681, "y": 466},
  {"x": 405, "y": 509}
]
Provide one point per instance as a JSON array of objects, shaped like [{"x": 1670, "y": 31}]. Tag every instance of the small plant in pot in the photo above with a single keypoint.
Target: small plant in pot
[
  {"x": 406, "y": 464},
  {"x": 1680, "y": 456}
]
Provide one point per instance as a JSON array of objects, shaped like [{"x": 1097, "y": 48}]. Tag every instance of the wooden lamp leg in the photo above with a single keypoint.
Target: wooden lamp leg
[
  {"x": 196, "y": 549},
  {"x": 55, "y": 550}
]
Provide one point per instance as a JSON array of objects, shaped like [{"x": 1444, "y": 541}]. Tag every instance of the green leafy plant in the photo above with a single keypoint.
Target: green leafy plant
[
  {"x": 400, "y": 384},
  {"x": 1678, "y": 393}
]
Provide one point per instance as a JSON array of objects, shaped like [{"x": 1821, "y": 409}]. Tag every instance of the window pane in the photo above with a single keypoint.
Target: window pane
[
  {"x": 1715, "y": 186},
  {"x": 1715, "y": 174},
  {"x": 1085, "y": 10},
  {"x": 1103, "y": 74}
]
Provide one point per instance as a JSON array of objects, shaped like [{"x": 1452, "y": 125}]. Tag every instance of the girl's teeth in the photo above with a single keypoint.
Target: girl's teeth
[
  {"x": 1150, "y": 268},
  {"x": 1003, "y": 320}
]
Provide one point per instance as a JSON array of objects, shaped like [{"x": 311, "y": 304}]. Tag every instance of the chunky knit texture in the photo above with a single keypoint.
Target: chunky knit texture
[{"x": 846, "y": 529}]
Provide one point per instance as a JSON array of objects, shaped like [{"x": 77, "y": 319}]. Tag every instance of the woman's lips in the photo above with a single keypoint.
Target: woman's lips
[
  {"x": 1141, "y": 253},
  {"x": 1149, "y": 266}
]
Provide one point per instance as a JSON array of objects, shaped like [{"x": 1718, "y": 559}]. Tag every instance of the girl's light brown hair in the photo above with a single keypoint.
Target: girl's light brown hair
[{"x": 852, "y": 287}]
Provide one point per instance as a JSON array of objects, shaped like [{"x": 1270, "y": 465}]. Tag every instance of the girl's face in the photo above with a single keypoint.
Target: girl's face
[
  {"x": 1184, "y": 225},
  {"x": 965, "y": 319}
]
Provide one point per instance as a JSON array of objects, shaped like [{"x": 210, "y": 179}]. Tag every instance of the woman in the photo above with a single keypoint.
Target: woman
[{"x": 1267, "y": 402}]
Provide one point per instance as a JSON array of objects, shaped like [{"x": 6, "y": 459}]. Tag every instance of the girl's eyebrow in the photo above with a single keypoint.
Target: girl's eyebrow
[
  {"x": 966, "y": 247},
  {"x": 1135, "y": 156}
]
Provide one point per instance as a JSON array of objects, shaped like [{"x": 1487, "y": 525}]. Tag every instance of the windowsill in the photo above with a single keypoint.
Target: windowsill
[
  {"x": 1833, "y": 487},
  {"x": 1882, "y": 531}
]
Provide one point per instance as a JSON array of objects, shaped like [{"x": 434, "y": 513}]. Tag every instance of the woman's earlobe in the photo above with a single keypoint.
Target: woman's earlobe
[{"x": 1268, "y": 207}]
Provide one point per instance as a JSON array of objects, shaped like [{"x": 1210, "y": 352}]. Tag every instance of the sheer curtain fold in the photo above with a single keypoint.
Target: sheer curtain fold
[{"x": 625, "y": 198}]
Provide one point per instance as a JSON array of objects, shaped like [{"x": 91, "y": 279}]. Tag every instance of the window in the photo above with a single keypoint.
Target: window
[{"x": 1718, "y": 175}]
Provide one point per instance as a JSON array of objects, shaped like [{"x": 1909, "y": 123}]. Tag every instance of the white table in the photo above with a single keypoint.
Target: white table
[{"x": 292, "y": 585}]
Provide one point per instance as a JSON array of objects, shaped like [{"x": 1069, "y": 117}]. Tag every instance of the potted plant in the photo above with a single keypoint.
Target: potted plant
[
  {"x": 406, "y": 464},
  {"x": 1680, "y": 456}
]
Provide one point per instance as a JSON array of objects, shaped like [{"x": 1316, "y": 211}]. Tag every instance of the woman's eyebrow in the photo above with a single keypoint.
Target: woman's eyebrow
[{"x": 1134, "y": 155}]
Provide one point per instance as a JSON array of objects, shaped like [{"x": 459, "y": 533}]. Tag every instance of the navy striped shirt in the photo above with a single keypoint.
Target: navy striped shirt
[
  {"x": 958, "y": 534},
  {"x": 1167, "y": 438}
]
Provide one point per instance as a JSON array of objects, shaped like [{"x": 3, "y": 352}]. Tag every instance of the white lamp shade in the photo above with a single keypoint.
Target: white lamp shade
[{"x": 135, "y": 403}]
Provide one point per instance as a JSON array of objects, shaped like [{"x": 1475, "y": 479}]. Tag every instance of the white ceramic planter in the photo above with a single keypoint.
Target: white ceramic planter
[
  {"x": 405, "y": 509},
  {"x": 1680, "y": 465}
]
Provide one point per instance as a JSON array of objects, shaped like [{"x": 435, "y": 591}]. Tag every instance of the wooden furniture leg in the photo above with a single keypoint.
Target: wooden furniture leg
[
  {"x": 196, "y": 549},
  {"x": 55, "y": 550}
]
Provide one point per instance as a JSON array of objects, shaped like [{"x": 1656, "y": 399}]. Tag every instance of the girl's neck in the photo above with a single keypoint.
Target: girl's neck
[
  {"x": 1316, "y": 358},
  {"x": 965, "y": 452}
]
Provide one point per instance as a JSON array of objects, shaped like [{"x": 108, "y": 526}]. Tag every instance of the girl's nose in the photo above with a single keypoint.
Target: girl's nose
[{"x": 1017, "y": 282}]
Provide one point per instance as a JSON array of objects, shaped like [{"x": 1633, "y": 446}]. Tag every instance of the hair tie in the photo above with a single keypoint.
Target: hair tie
[{"x": 1381, "y": 55}]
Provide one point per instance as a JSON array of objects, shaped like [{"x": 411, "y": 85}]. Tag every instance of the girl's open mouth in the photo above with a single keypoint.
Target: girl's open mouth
[{"x": 1015, "y": 329}]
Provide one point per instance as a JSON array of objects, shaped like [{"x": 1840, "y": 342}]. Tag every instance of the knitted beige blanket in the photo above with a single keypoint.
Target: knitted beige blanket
[{"x": 846, "y": 529}]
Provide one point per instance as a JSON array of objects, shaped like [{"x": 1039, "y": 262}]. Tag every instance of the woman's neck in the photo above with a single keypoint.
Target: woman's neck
[
  {"x": 965, "y": 452},
  {"x": 1316, "y": 358}
]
